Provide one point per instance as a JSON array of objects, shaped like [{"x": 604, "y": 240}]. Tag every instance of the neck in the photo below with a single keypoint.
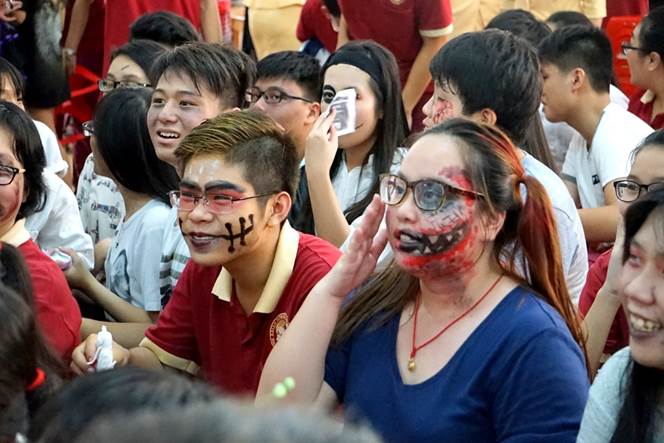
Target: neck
[
  {"x": 133, "y": 201},
  {"x": 356, "y": 155},
  {"x": 250, "y": 272},
  {"x": 5, "y": 226},
  {"x": 586, "y": 119},
  {"x": 658, "y": 89}
]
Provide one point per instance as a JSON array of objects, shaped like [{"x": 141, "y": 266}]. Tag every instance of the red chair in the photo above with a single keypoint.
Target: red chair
[
  {"x": 83, "y": 83},
  {"x": 619, "y": 30}
]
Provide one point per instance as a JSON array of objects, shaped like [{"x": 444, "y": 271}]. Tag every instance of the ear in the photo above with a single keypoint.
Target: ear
[
  {"x": 654, "y": 61},
  {"x": 278, "y": 206},
  {"x": 578, "y": 79},
  {"x": 486, "y": 116},
  {"x": 492, "y": 225},
  {"x": 313, "y": 113}
]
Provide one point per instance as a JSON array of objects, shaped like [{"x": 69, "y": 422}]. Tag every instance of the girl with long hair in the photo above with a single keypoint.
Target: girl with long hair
[
  {"x": 342, "y": 173},
  {"x": 625, "y": 402},
  {"x": 447, "y": 343},
  {"x": 123, "y": 151}
]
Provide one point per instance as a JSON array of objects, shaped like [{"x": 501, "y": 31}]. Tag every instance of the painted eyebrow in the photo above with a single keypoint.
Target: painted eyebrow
[{"x": 223, "y": 185}]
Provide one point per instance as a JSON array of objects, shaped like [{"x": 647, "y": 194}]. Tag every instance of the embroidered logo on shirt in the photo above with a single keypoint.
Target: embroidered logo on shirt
[
  {"x": 595, "y": 179},
  {"x": 278, "y": 327}
]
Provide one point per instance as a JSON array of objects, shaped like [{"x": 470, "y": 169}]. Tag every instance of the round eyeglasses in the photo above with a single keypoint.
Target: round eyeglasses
[
  {"x": 215, "y": 203},
  {"x": 107, "y": 85},
  {"x": 429, "y": 195},
  {"x": 628, "y": 190}
]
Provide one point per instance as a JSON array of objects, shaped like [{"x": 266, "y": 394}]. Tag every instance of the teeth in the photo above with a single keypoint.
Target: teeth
[
  {"x": 167, "y": 134},
  {"x": 644, "y": 325}
]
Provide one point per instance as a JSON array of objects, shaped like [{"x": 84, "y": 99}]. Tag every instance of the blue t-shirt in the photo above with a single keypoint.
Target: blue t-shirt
[{"x": 519, "y": 377}]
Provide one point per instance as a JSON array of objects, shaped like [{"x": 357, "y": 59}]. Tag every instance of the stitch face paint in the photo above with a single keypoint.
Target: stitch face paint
[
  {"x": 442, "y": 105},
  {"x": 241, "y": 235},
  {"x": 441, "y": 243}
]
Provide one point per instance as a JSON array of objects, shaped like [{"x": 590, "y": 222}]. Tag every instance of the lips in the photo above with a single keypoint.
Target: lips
[
  {"x": 201, "y": 240},
  {"x": 423, "y": 245}
]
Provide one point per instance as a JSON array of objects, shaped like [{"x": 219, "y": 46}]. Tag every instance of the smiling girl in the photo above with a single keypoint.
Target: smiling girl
[
  {"x": 342, "y": 173},
  {"x": 447, "y": 343}
]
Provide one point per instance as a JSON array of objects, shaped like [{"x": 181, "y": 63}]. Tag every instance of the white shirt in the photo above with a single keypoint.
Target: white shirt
[
  {"x": 616, "y": 136},
  {"x": 54, "y": 160},
  {"x": 174, "y": 253},
  {"x": 59, "y": 222},
  {"x": 100, "y": 202},
  {"x": 132, "y": 263}
]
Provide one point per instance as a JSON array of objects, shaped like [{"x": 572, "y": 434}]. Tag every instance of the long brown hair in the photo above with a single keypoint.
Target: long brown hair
[{"x": 527, "y": 241}]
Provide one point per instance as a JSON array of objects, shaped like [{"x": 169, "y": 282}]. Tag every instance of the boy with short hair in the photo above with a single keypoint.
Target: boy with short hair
[
  {"x": 250, "y": 271},
  {"x": 577, "y": 69},
  {"x": 493, "y": 77}
]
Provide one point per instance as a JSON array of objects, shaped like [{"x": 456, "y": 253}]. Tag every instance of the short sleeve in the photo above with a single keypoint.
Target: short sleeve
[
  {"x": 173, "y": 338},
  {"x": 433, "y": 17},
  {"x": 147, "y": 264},
  {"x": 546, "y": 373},
  {"x": 611, "y": 163},
  {"x": 605, "y": 400},
  {"x": 54, "y": 160},
  {"x": 336, "y": 367}
]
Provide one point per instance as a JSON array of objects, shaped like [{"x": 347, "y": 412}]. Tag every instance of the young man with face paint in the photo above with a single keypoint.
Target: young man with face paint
[
  {"x": 576, "y": 70},
  {"x": 488, "y": 88},
  {"x": 250, "y": 271}
]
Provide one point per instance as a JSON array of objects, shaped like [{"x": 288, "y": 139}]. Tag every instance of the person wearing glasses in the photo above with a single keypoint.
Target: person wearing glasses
[
  {"x": 600, "y": 304},
  {"x": 645, "y": 57},
  {"x": 100, "y": 202},
  {"x": 23, "y": 191},
  {"x": 447, "y": 343},
  {"x": 576, "y": 65},
  {"x": 249, "y": 270},
  {"x": 123, "y": 152}
]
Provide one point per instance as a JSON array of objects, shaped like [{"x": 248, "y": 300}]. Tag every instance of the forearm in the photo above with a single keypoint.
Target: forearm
[
  {"x": 79, "y": 20},
  {"x": 331, "y": 225},
  {"x": 342, "y": 35},
  {"x": 419, "y": 76},
  {"x": 310, "y": 330},
  {"x": 119, "y": 309},
  {"x": 210, "y": 21},
  {"x": 598, "y": 323},
  {"x": 599, "y": 224},
  {"x": 144, "y": 358},
  {"x": 128, "y": 335}
]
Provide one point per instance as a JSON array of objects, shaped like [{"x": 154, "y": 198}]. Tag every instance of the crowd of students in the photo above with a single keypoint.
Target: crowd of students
[{"x": 480, "y": 259}]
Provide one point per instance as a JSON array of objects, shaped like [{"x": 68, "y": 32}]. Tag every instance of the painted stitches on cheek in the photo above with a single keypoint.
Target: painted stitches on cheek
[
  {"x": 443, "y": 110},
  {"x": 244, "y": 231}
]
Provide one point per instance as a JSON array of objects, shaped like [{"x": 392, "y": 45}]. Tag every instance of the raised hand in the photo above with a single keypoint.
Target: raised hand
[
  {"x": 615, "y": 262},
  {"x": 359, "y": 261},
  {"x": 321, "y": 145}
]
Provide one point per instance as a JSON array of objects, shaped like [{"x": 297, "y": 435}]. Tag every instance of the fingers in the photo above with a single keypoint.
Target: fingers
[
  {"x": 379, "y": 243},
  {"x": 373, "y": 216},
  {"x": 90, "y": 347},
  {"x": 80, "y": 357}
]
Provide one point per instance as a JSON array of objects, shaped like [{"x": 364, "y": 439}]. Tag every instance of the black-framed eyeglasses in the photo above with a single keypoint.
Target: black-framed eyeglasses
[
  {"x": 629, "y": 190},
  {"x": 88, "y": 128},
  {"x": 272, "y": 96},
  {"x": 7, "y": 174},
  {"x": 627, "y": 47},
  {"x": 214, "y": 202},
  {"x": 429, "y": 195},
  {"x": 107, "y": 85}
]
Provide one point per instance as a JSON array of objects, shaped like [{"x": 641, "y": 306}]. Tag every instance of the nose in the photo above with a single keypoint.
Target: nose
[
  {"x": 260, "y": 104},
  {"x": 641, "y": 288},
  {"x": 167, "y": 112},
  {"x": 427, "y": 109},
  {"x": 200, "y": 213},
  {"x": 407, "y": 211}
]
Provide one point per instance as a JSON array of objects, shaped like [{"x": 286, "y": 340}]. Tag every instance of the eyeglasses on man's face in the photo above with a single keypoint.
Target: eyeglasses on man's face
[
  {"x": 272, "y": 96},
  {"x": 216, "y": 203},
  {"x": 7, "y": 174},
  {"x": 107, "y": 85},
  {"x": 626, "y": 47},
  {"x": 628, "y": 190},
  {"x": 429, "y": 195}
]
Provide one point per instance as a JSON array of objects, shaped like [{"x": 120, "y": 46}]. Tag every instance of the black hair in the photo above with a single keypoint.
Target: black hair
[
  {"x": 391, "y": 129},
  {"x": 568, "y": 18},
  {"x": 492, "y": 69},
  {"x": 123, "y": 140},
  {"x": 521, "y": 23},
  {"x": 141, "y": 52},
  {"x": 333, "y": 7},
  {"x": 27, "y": 147},
  {"x": 163, "y": 27},
  {"x": 536, "y": 144},
  {"x": 295, "y": 66},
  {"x": 644, "y": 386},
  {"x": 125, "y": 390},
  {"x": 224, "y": 71},
  {"x": 655, "y": 139},
  {"x": 579, "y": 46},
  {"x": 11, "y": 73},
  {"x": 651, "y": 34}
]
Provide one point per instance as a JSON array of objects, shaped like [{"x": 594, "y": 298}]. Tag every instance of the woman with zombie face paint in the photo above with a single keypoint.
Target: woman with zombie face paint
[
  {"x": 342, "y": 172},
  {"x": 626, "y": 401},
  {"x": 124, "y": 152},
  {"x": 447, "y": 343}
]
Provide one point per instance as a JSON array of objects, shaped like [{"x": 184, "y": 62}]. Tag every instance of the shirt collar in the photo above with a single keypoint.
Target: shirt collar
[
  {"x": 282, "y": 269},
  {"x": 647, "y": 97},
  {"x": 17, "y": 235}
]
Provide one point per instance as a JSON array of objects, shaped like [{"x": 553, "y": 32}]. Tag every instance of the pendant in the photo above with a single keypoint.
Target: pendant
[{"x": 411, "y": 364}]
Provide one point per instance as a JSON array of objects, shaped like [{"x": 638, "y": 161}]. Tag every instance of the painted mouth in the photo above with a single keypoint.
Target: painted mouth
[
  {"x": 643, "y": 325},
  {"x": 423, "y": 245},
  {"x": 201, "y": 240}
]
